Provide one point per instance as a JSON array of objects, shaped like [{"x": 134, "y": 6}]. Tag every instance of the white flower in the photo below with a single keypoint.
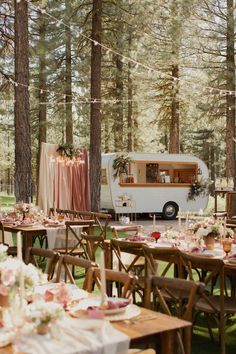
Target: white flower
[
  {"x": 41, "y": 312},
  {"x": 170, "y": 234}
]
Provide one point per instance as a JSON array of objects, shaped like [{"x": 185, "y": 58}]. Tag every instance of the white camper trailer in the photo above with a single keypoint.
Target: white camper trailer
[{"x": 155, "y": 183}]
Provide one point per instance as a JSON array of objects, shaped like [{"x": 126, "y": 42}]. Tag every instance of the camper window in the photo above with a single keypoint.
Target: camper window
[{"x": 151, "y": 172}]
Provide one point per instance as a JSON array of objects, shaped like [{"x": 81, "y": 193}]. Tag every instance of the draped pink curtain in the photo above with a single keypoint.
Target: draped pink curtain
[{"x": 63, "y": 185}]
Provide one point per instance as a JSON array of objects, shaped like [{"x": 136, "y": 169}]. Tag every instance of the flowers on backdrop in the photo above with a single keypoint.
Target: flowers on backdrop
[
  {"x": 208, "y": 227},
  {"x": 120, "y": 165},
  {"x": 10, "y": 271},
  {"x": 198, "y": 188},
  {"x": 43, "y": 313},
  {"x": 69, "y": 151}
]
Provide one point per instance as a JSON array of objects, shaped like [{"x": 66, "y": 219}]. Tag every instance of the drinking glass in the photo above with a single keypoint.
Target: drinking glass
[
  {"x": 227, "y": 245},
  {"x": 156, "y": 235}
]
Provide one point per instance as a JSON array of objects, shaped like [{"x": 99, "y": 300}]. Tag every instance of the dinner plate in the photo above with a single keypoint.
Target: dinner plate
[
  {"x": 232, "y": 260},
  {"x": 96, "y": 301}
]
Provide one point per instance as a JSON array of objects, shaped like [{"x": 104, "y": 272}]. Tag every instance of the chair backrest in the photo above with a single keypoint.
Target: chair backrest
[
  {"x": 129, "y": 230},
  {"x": 2, "y": 238},
  {"x": 102, "y": 220},
  {"x": 78, "y": 238},
  {"x": 126, "y": 282},
  {"x": 135, "y": 248},
  {"x": 69, "y": 262},
  {"x": 182, "y": 293},
  {"x": 169, "y": 255},
  {"x": 39, "y": 255}
]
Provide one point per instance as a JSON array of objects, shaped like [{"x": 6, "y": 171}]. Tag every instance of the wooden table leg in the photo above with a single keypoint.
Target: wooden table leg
[{"x": 168, "y": 342}]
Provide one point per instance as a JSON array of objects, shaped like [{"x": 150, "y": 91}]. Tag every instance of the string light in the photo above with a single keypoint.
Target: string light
[{"x": 123, "y": 58}]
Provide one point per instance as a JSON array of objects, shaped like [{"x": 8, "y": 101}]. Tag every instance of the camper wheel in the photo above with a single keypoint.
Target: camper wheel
[{"x": 170, "y": 210}]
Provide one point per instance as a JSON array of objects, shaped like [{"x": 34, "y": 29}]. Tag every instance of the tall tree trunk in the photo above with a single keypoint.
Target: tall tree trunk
[
  {"x": 174, "y": 125},
  {"x": 130, "y": 103},
  {"x": 230, "y": 98},
  {"x": 119, "y": 121},
  {"x": 174, "y": 144},
  {"x": 95, "y": 117},
  {"x": 23, "y": 173},
  {"x": 42, "y": 135},
  {"x": 68, "y": 83}
]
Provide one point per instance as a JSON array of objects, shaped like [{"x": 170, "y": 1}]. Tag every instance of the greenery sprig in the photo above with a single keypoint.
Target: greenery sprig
[{"x": 198, "y": 188}]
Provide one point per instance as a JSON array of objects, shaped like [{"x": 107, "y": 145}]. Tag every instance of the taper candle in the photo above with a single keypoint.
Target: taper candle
[{"x": 103, "y": 279}]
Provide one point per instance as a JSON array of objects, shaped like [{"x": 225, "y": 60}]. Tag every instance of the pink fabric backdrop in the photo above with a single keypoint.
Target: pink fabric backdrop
[{"x": 63, "y": 185}]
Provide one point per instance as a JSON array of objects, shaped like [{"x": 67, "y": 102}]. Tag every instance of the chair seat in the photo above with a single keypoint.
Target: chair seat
[{"x": 229, "y": 305}]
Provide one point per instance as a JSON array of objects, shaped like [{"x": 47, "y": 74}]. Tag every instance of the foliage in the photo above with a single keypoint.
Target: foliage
[
  {"x": 198, "y": 188},
  {"x": 120, "y": 165}
]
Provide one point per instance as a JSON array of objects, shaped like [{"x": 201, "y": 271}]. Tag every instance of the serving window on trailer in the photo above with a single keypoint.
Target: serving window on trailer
[{"x": 160, "y": 173}]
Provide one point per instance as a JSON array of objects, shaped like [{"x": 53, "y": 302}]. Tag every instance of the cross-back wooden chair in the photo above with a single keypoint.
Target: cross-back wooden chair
[
  {"x": 136, "y": 264},
  {"x": 80, "y": 248},
  {"x": 12, "y": 250},
  {"x": 168, "y": 255},
  {"x": 214, "y": 304},
  {"x": 126, "y": 282},
  {"x": 96, "y": 236},
  {"x": 82, "y": 265},
  {"x": 177, "y": 290},
  {"x": 38, "y": 256},
  {"x": 101, "y": 221}
]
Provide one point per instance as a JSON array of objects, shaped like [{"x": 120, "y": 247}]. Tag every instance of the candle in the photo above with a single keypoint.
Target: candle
[
  {"x": 19, "y": 246},
  {"x": 186, "y": 222},
  {"x": 19, "y": 256},
  {"x": 103, "y": 279},
  {"x": 224, "y": 228},
  {"x": 154, "y": 221},
  {"x": 179, "y": 223}
]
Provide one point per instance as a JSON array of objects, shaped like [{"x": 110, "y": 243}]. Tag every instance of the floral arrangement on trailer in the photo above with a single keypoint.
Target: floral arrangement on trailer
[
  {"x": 198, "y": 188},
  {"x": 121, "y": 164}
]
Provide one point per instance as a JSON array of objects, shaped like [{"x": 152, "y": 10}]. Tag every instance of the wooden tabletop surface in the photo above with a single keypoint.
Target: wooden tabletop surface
[{"x": 139, "y": 329}]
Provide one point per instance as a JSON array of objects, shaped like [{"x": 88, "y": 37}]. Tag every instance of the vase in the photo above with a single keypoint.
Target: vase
[
  {"x": 210, "y": 242},
  {"x": 123, "y": 177},
  {"x": 4, "y": 301},
  {"x": 43, "y": 328}
]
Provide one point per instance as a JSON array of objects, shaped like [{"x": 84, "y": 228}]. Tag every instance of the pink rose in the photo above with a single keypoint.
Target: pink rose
[{"x": 8, "y": 277}]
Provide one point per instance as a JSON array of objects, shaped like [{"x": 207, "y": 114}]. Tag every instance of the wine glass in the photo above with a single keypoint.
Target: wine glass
[
  {"x": 156, "y": 235},
  {"x": 227, "y": 245}
]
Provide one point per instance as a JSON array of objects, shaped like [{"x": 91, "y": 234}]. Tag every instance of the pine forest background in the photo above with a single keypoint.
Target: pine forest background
[{"x": 163, "y": 80}]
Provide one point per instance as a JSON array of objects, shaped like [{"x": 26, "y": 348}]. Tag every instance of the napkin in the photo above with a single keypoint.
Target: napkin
[{"x": 75, "y": 336}]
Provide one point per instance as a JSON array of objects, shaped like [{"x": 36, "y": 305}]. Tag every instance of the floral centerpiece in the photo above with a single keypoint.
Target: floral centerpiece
[
  {"x": 208, "y": 228},
  {"x": 170, "y": 234},
  {"x": 41, "y": 314},
  {"x": 120, "y": 165},
  {"x": 10, "y": 273}
]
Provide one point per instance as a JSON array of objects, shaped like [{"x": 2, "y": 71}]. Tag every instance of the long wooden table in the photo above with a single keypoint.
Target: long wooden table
[
  {"x": 28, "y": 234},
  {"x": 150, "y": 327}
]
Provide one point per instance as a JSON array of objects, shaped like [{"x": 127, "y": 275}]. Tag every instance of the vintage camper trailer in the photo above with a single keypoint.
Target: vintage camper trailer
[{"x": 155, "y": 183}]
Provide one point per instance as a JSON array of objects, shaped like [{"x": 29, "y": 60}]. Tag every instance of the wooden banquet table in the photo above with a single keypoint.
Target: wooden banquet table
[
  {"x": 149, "y": 327},
  {"x": 28, "y": 234}
]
